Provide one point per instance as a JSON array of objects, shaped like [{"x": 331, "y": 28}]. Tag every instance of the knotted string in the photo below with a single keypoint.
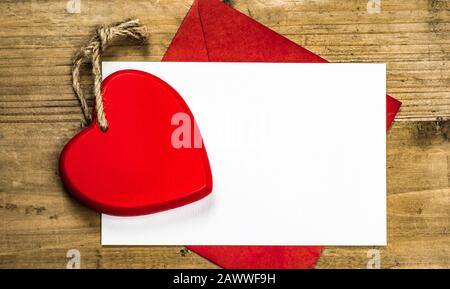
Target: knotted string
[{"x": 97, "y": 45}]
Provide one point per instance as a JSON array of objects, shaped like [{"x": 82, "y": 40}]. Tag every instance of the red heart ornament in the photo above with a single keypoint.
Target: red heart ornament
[{"x": 133, "y": 168}]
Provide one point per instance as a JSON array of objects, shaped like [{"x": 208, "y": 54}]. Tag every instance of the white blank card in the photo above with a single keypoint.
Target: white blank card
[{"x": 297, "y": 153}]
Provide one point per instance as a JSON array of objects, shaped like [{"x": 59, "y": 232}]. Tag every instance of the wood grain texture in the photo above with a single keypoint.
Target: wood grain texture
[{"x": 39, "y": 222}]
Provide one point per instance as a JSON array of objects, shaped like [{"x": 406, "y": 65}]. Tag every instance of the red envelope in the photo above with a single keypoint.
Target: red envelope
[{"x": 213, "y": 31}]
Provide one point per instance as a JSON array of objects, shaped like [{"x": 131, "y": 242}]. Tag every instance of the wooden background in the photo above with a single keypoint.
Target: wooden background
[{"x": 39, "y": 222}]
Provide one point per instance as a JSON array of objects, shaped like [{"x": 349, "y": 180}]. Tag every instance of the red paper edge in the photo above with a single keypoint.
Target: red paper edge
[{"x": 392, "y": 108}]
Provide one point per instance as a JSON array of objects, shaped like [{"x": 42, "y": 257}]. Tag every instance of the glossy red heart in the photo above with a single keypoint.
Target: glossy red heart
[{"x": 133, "y": 168}]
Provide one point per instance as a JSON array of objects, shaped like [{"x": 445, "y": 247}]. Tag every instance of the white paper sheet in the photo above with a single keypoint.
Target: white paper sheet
[{"x": 297, "y": 152}]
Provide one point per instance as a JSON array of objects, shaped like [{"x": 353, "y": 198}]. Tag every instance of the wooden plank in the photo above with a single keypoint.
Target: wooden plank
[{"x": 39, "y": 222}]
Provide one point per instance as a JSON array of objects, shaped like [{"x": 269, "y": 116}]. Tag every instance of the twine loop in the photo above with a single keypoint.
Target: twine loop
[{"x": 97, "y": 45}]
